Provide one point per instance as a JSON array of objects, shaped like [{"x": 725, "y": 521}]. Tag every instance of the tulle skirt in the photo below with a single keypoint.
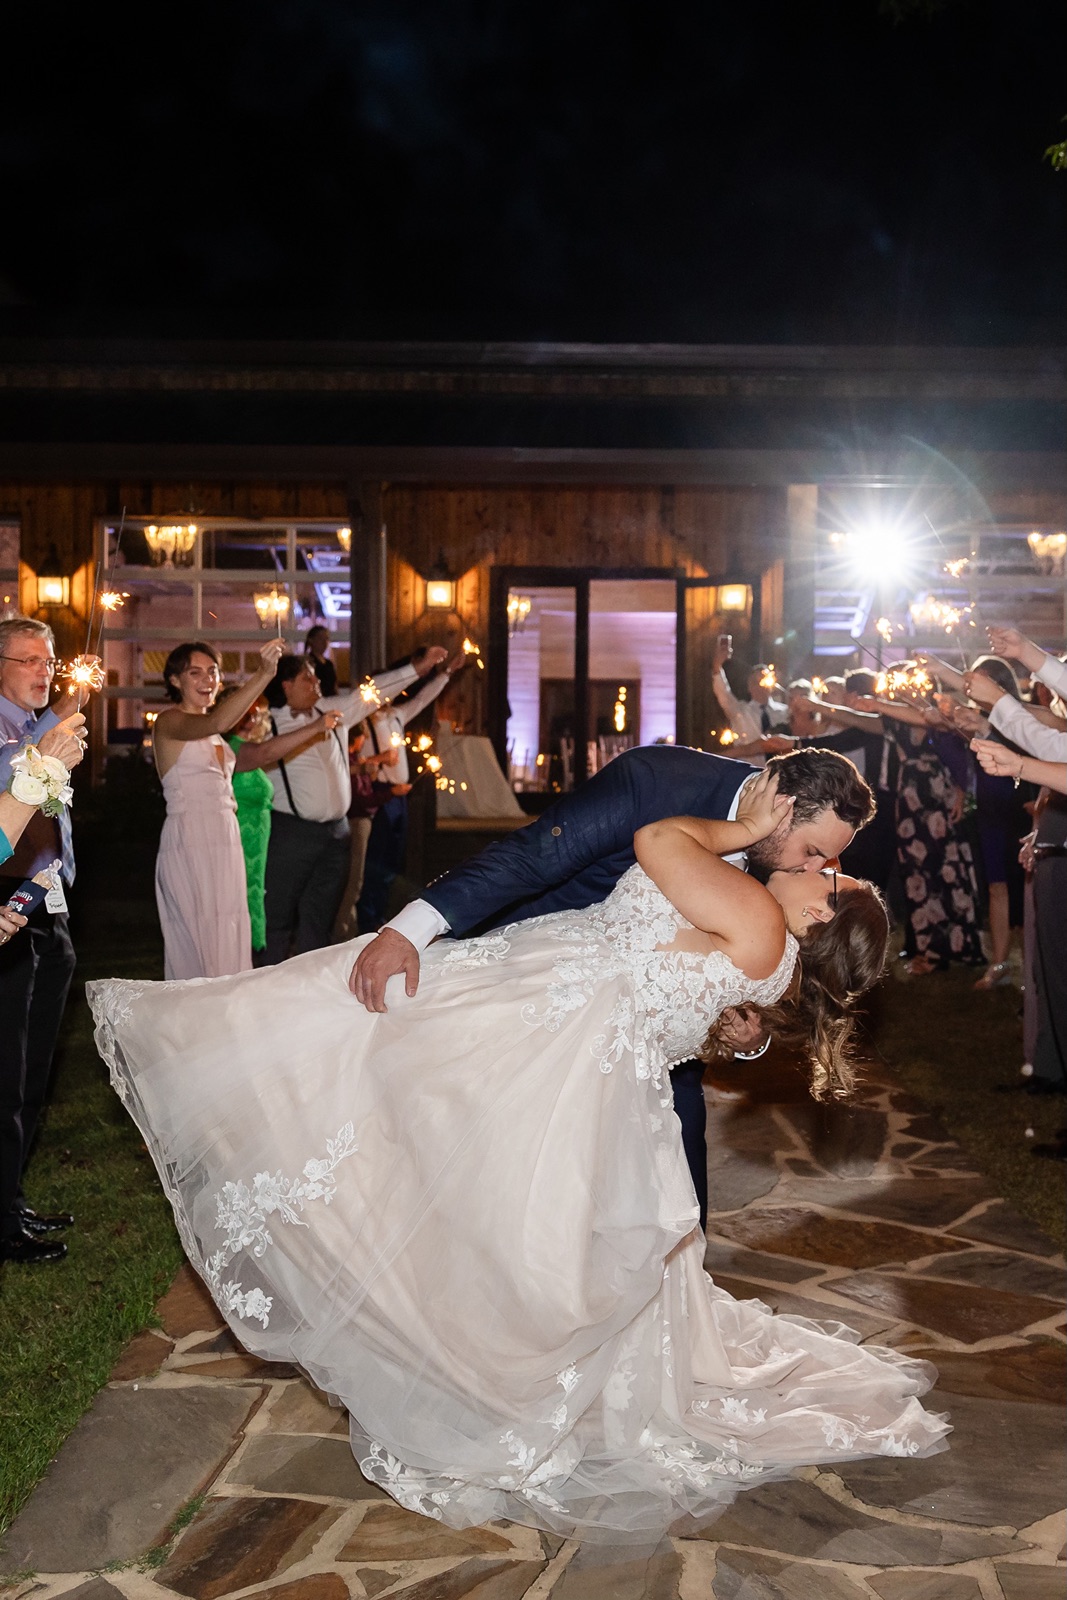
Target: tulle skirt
[{"x": 478, "y": 1233}]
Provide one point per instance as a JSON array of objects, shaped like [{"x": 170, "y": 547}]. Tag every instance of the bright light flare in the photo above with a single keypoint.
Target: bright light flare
[
  {"x": 818, "y": 687},
  {"x": 368, "y": 693},
  {"x": 884, "y": 629},
  {"x": 767, "y": 678},
  {"x": 956, "y": 569},
  {"x": 727, "y": 736}
]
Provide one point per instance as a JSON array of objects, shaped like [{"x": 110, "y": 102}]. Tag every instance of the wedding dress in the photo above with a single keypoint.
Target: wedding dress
[{"x": 470, "y": 1219}]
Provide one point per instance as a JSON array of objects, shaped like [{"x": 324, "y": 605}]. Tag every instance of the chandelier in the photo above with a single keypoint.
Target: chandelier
[
  {"x": 519, "y": 608},
  {"x": 1048, "y": 550},
  {"x": 272, "y": 607},
  {"x": 171, "y": 544}
]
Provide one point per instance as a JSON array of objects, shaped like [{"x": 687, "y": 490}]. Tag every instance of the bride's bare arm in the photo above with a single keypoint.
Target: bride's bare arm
[{"x": 683, "y": 857}]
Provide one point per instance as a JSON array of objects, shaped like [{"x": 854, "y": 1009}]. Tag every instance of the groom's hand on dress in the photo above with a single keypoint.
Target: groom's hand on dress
[{"x": 382, "y": 959}]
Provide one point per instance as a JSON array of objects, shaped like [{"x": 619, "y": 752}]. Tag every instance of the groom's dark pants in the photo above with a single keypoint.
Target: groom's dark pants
[{"x": 687, "y": 1082}]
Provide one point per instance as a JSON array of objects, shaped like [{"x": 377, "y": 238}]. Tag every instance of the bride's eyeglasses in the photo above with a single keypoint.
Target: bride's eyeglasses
[{"x": 832, "y": 898}]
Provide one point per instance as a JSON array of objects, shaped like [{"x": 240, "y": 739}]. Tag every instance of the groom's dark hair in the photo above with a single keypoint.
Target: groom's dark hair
[{"x": 823, "y": 780}]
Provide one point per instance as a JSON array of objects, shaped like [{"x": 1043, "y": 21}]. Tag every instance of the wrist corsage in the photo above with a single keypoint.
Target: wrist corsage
[{"x": 40, "y": 781}]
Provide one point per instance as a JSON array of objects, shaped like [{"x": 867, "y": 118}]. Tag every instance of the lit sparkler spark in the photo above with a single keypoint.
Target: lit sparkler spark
[
  {"x": 903, "y": 681},
  {"x": 933, "y": 613},
  {"x": 433, "y": 764},
  {"x": 423, "y": 743},
  {"x": 767, "y": 679},
  {"x": 727, "y": 736},
  {"x": 112, "y": 599},
  {"x": 368, "y": 693},
  {"x": 956, "y": 569},
  {"x": 83, "y": 672},
  {"x": 884, "y": 628},
  {"x": 396, "y": 740},
  {"x": 471, "y": 649},
  {"x": 818, "y": 687}
]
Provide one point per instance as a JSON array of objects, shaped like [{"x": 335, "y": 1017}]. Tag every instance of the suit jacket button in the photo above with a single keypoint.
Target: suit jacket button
[{"x": 556, "y": 832}]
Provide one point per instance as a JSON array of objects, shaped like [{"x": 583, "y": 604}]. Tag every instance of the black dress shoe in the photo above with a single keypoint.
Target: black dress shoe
[
  {"x": 33, "y": 1222},
  {"x": 27, "y": 1250}
]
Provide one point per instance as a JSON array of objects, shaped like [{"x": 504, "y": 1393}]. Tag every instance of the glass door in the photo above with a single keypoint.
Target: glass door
[{"x": 707, "y": 609}]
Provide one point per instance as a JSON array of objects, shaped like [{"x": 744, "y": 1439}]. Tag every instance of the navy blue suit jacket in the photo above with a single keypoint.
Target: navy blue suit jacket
[{"x": 575, "y": 853}]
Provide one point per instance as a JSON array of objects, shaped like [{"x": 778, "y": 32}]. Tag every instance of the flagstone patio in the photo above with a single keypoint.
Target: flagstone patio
[{"x": 203, "y": 1472}]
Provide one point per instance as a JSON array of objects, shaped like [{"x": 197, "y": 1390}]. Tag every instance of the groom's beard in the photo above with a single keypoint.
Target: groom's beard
[{"x": 765, "y": 855}]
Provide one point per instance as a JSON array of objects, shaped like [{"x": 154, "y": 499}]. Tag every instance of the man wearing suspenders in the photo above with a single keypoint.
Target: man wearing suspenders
[{"x": 308, "y": 857}]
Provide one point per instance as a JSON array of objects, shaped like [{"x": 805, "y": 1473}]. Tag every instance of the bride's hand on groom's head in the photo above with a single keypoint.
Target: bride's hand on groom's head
[
  {"x": 761, "y": 809},
  {"x": 385, "y": 956},
  {"x": 741, "y": 1029}
]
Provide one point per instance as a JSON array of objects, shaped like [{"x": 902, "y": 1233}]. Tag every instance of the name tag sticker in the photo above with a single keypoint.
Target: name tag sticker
[{"x": 55, "y": 900}]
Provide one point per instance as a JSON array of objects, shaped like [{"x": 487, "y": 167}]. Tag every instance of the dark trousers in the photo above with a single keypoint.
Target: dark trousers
[
  {"x": 386, "y": 853},
  {"x": 687, "y": 1082},
  {"x": 36, "y": 967},
  {"x": 1050, "y": 968},
  {"x": 307, "y": 869}
]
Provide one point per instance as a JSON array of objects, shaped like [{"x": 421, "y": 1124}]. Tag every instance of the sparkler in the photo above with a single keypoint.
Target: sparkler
[
  {"x": 368, "y": 693},
  {"x": 767, "y": 678},
  {"x": 956, "y": 569},
  {"x": 471, "y": 649},
  {"x": 84, "y": 672},
  {"x": 818, "y": 687},
  {"x": 113, "y": 599},
  {"x": 902, "y": 681},
  {"x": 884, "y": 629},
  {"x": 727, "y": 736}
]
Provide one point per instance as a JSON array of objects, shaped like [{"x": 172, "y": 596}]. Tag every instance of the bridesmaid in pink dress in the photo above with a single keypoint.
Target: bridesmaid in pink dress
[{"x": 200, "y": 869}]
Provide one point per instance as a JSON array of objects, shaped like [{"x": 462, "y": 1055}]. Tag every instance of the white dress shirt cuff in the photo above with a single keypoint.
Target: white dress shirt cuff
[{"x": 419, "y": 923}]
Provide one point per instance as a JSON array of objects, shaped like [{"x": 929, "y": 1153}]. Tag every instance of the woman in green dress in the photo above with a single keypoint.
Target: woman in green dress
[{"x": 254, "y": 792}]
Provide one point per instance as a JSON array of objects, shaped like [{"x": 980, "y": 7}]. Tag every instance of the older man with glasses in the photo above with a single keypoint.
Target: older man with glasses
[{"x": 37, "y": 965}]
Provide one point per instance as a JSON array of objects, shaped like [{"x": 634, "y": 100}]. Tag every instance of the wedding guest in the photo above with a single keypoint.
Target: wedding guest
[
  {"x": 309, "y": 854},
  {"x": 255, "y": 750},
  {"x": 200, "y": 870},
  {"x": 1002, "y": 821},
  {"x": 36, "y": 967},
  {"x": 763, "y": 712},
  {"x": 387, "y": 844},
  {"x": 1046, "y": 846},
  {"x": 317, "y": 651},
  {"x": 370, "y": 787}
]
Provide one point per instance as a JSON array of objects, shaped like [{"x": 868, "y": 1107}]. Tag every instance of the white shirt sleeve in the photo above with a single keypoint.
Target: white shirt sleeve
[
  {"x": 1054, "y": 673},
  {"x": 420, "y": 923},
  {"x": 744, "y": 719},
  {"x": 354, "y": 708},
  {"x": 421, "y": 699},
  {"x": 1011, "y": 718}
]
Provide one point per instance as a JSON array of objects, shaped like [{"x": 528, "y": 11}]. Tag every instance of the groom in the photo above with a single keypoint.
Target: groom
[{"x": 575, "y": 852}]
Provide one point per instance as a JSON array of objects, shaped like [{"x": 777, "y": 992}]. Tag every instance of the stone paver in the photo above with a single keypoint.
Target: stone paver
[{"x": 866, "y": 1215}]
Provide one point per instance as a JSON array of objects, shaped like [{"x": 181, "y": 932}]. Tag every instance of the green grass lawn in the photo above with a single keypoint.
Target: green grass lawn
[{"x": 62, "y": 1327}]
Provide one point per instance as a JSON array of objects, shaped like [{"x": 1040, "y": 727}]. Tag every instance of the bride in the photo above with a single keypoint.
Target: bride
[{"x": 469, "y": 1218}]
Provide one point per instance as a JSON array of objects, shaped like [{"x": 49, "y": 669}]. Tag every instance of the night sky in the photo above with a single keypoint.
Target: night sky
[{"x": 761, "y": 172}]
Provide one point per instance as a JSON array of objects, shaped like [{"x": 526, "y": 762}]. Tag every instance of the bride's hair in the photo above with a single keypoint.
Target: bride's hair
[{"x": 839, "y": 961}]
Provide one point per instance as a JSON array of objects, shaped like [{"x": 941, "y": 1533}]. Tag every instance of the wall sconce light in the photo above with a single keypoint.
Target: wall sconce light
[
  {"x": 733, "y": 597},
  {"x": 440, "y": 587},
  {"x": 53, "y": 587}
]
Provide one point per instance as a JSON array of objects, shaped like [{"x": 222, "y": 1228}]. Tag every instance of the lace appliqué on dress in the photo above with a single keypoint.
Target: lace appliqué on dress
[{"x": 243, "y": 1211}]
